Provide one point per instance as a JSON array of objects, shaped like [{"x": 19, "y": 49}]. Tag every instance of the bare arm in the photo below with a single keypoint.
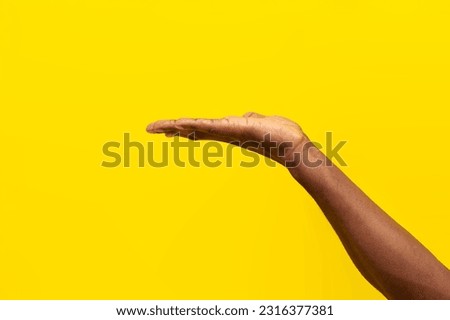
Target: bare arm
[{"x": 390, "y": 258}]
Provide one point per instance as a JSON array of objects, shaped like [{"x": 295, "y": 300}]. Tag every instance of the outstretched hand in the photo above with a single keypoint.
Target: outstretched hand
[
  {"x": 390, "y": 258},
  {"x": 272, "y": 136}
]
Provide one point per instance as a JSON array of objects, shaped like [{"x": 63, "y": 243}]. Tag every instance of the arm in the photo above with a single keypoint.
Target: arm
[{"x": 390, "y": 258}]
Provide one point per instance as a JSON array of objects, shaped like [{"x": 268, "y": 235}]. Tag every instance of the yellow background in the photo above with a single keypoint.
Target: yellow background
[{"x": 76, "y": 74}]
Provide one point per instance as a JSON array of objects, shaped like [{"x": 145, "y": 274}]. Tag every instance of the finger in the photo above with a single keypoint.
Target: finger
[
  {"x": 253, "y": 115},
  {"x": 207, "y": 125},
  {"x": 229, "y": 126},
  {"x": 161, "y": 126}
]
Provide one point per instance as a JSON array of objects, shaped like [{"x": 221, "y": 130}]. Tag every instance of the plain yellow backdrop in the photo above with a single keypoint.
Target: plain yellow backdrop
[{"x": 76, "y": 74}]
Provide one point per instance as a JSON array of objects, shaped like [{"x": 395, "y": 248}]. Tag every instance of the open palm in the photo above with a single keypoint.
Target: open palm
[{"x": 273, "y": 136}]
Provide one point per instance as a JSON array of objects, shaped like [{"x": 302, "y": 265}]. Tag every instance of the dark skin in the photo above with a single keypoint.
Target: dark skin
[{"x": 387, "y": 255}]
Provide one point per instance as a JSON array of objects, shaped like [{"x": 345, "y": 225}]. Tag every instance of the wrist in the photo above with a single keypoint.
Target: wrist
[{"x": 304, "y": 158}]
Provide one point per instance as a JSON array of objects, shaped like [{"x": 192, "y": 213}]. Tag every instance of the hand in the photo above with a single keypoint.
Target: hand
[{"x": 272, "y": 136}]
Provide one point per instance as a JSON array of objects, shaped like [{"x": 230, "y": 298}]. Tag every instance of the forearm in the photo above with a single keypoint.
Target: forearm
[{"x": 388, "y": 256}]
